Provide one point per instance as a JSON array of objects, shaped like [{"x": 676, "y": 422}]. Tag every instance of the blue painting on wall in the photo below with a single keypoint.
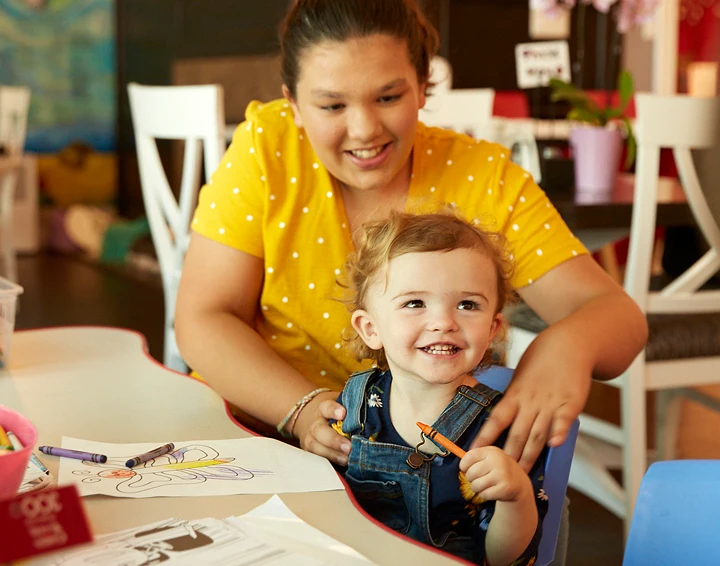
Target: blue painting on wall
[{"x": 64, "y": 50}]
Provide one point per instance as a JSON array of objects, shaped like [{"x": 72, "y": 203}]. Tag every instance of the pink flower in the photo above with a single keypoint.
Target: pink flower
[
  {"x": 552, "y": 8},
  {"x": 634, "y": 13},
  {"x": 630, "y": 13},
  {"x": 601, "y": 5}
]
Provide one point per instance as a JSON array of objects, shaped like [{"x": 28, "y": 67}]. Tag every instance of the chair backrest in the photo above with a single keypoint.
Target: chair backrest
[
  {"x": 682, "y": 123},
  {"x": 467, "y": 111},
  {"x": 557, "y": 470},
  {"x": 440, "y": 74},
  {"x": 191, "y": 113},
  {"x": 14, "y": 107},
  {"x": 519, "y": 137},
  {"x": 676, "y": 515}
]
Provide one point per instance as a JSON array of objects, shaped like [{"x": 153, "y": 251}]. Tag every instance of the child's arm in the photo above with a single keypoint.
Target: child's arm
[{"x": 495, "y": 476}]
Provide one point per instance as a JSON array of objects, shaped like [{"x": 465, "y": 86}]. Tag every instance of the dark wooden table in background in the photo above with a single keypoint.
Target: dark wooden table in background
[{"x": 614, "y": 210}]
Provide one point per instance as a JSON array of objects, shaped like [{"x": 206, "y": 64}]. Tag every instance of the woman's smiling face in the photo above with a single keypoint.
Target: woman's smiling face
[{"x": 358, "y": 102}]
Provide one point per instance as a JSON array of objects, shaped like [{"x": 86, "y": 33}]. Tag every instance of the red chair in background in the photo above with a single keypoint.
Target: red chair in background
[{"x": 511, "y": 104}]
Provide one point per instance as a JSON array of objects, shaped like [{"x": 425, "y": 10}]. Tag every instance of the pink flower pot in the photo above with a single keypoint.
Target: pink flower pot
[
  {"x": 13, "y": 464},
  {"x": 596, "y": 152}
]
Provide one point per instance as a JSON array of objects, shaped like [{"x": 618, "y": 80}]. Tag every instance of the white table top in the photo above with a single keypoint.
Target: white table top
[{"x": 99, "y": 384}]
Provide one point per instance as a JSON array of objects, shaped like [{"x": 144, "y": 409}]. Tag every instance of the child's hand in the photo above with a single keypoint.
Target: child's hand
[
  {"x": 495, "y": 476},
  {"x": 315, "y": 433}
]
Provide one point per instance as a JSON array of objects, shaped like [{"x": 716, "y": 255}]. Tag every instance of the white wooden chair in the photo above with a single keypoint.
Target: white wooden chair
[
  {"x": 468, "y": 111},
  {"x": 14, "y": 107},
  {"x": 684, "y": 346},
  {"x": 196, "y": 115}
]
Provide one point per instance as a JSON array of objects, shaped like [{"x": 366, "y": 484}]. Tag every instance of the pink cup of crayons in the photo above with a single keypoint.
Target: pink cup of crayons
[{"x": 14, "y": 462}]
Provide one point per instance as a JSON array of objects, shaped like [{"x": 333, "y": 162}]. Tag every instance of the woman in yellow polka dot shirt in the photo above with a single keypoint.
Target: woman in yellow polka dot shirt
[{"x": 257, "y": 315}]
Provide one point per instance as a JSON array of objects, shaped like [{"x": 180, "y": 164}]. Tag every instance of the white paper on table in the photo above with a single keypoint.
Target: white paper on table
[
  {"x": 289, "y": 531},
  {"x": 35, "y": 479},
  {"x": 198, "y": 468},
  {"x": 178, "y": 541}
]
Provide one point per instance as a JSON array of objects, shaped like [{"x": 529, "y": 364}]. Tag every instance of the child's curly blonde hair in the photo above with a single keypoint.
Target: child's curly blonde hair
[{"x": 402, "y": 233}]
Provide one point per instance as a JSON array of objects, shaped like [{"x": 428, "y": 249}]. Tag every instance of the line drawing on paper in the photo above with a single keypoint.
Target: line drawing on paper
[
  {"x": 190, "y": 465},
  {"x": 144, "y": 548}
]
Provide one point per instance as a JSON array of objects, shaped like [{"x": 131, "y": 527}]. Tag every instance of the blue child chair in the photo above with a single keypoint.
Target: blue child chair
[
  {"x": 676, "y": 516},
  {"x": 557, "y": 470}
]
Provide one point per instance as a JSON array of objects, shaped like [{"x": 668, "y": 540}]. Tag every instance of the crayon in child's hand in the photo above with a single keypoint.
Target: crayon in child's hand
[{"x": 435, "y": 436}]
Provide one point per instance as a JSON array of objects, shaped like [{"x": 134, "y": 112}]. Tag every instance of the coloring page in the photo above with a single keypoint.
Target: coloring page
[{"x": 197, "y": 468}]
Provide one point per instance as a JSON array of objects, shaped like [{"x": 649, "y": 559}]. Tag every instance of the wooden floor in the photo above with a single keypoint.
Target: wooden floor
[{"x": 61, "y": 291}]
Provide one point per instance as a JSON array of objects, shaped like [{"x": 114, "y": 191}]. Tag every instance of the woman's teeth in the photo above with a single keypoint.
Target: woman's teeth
[
  {"x": 367, "y": 153},
  {"x": 441, "y": 350}
]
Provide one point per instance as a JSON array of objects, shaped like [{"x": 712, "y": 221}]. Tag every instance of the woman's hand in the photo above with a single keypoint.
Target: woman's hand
[
  {"x": 595, "y": 331},
  {"x": 548, "y": 391},
  {"x": 315, "y": 433}
]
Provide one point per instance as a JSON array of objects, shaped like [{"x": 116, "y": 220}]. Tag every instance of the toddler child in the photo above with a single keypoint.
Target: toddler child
[{"x": 428, "y": 292}]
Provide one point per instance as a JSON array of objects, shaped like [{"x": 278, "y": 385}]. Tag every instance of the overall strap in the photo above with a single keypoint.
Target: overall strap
[
  {"x": 468, "y": 404},
  {"x": 354, "y": 399}
]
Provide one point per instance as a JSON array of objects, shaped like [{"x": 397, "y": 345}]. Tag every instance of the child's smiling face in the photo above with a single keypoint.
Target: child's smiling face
[{"x": 434, "y": 314}]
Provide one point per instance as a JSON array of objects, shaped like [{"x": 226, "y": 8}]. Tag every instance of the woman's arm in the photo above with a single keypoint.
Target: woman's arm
[
  {"x": 215, "y": 328},
  {"x": 595, "y": 331}
]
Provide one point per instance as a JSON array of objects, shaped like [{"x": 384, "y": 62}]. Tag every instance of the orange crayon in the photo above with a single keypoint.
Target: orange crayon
[{"x": 435, "y": 436}]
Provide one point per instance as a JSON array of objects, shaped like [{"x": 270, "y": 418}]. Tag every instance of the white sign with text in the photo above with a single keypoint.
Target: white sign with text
[{"x": 540, "y": 61}]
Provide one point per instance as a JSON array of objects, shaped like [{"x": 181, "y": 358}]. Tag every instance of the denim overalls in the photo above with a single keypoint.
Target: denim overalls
[{"x": 383, "y": 482}]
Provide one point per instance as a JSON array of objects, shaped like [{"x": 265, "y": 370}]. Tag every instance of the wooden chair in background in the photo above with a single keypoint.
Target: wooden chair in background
[
  {"x": 195, "y": 115},
  {"x": 683, "y": 351},
  {"x": 467, "y": 111},
  {"x": 14, "y": 107}
]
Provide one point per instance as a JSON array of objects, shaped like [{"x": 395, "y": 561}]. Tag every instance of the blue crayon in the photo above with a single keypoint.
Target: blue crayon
[
  {"x": 159, "y": 451},
  {"x": 35, "y": 460},
  {"x": 17, "y": 445}
]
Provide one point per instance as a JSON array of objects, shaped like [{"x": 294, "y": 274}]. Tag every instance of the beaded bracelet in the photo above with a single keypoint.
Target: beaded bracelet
[{"x": 295, "y": 412}]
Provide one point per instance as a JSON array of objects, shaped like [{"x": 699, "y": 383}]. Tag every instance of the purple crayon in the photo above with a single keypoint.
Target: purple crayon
[
  {"x": 77, "y": 454},
  {"x": 159, "y": 451}
]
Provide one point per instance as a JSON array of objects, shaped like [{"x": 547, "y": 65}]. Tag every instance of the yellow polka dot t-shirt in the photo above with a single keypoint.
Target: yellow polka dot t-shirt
[{"x": 272, "y": 198}]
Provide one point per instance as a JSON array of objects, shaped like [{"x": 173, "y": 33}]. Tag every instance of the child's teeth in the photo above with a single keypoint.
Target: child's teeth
[
  {"x": 366, "y": 153},
  {"x": 442, "y": 350}
]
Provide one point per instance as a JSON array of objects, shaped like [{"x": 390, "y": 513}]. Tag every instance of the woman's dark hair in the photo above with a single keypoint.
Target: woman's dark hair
[{"x": 309, "y": 22}]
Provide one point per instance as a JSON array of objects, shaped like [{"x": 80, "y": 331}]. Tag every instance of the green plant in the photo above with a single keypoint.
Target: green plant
[{"x": 585, "y": 109}]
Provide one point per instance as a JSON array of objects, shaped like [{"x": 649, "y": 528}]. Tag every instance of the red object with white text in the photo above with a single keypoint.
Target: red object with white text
[{"x": 42, "y": 521}]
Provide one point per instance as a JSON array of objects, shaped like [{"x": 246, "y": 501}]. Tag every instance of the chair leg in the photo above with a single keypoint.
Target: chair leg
[
  {"x": 589, "y": 476},
  {"x": 176, "y": 363},
  {"x": 7, "y": 194},
  {"x": 632, "y": 399},
  {"x": 171, "y": 354},
  {"x": 667, "y": 421},
  {"x": 518, "y": 341}
]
